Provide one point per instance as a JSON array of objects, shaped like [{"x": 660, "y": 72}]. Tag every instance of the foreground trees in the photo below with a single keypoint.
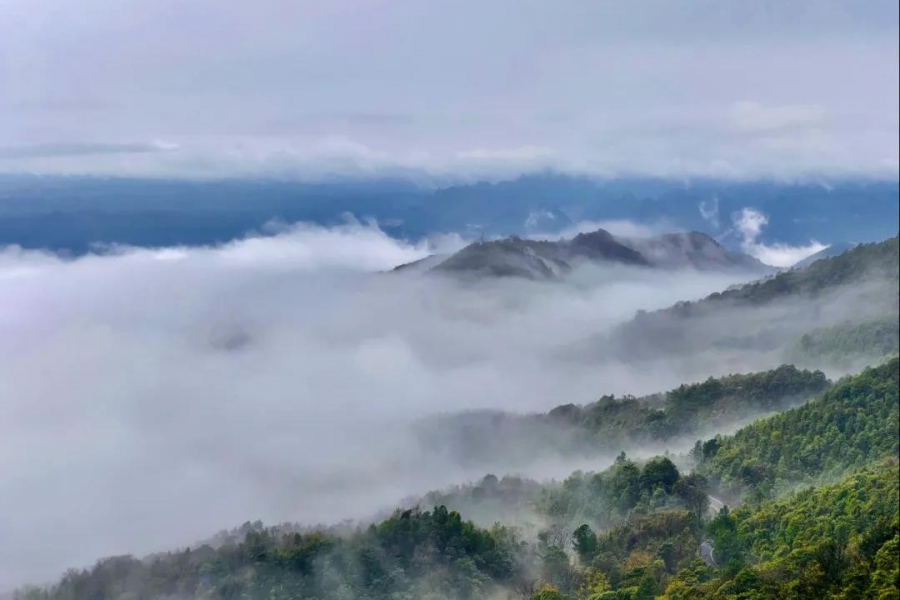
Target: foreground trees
[{"x": 631, "y": 532}]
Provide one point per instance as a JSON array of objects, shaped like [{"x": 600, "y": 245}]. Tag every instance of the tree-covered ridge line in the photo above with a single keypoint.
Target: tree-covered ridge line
[
  {"x": 839, "y": 541},
  {"x": 877, "y": 337},
  {"x": 856, "y": 324},
  {"x": 771, "y": 316},
  {"x": 691, "y": 407},
  {"x": 619, "y": 423},
  {"x": 848, "y": 426},
  {"x": 840, "y": 538},
  {"x": 877, "y": 259},
  {"x": 413, "y": 554},
  {"x": 628, "y": 423},
  {"x": 650, "y": 520}
]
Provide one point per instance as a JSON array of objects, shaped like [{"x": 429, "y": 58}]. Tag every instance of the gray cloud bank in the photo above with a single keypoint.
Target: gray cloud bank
[
  {"x": 447, "y": 90},
  {"x": 152, "y": 397}
]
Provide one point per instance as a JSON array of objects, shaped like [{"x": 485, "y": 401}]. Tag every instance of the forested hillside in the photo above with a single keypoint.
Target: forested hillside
[
  {"x": 806, "y": 543},
  {"x": 635, "y": 528},
  {"x": 691, "y": 408},
  {"x": 839, "y": 541},
  {"x": 631, "y": 532},
  {"x": 859, "y": 263},
  {"x": 835, "y": 310},
  {"x": 627, "y": 423},
  {"x": 879, "y": 336},
  {"x": 849, "y": 425},
  {"x": 413, "y": 554}
]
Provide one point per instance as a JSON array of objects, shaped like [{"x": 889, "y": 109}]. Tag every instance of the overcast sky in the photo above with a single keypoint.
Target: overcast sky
[{"x": 462, "y": 88}]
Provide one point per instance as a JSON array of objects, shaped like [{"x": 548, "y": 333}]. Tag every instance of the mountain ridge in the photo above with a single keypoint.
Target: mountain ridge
[
  {"x": 538, "y": 259},
  {"x": 851, "y": 289}
]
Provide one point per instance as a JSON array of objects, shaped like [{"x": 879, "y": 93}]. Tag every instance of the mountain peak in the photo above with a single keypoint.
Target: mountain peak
[
  {"x": 692, "y": 249},
  {"x": 542, "y": 260}
]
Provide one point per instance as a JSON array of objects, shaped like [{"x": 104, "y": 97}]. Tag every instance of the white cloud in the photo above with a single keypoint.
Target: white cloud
[
  {"x": 782, "y": 255},
  {"x": 750, "y": 222},
  {"x": 161, "y": 394},
  {"x": 353, "y": 246},
  {"x": 710, "y": 211}
]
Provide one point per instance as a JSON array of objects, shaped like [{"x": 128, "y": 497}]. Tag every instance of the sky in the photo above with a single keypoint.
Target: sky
[{"x": 449, "y": 90}]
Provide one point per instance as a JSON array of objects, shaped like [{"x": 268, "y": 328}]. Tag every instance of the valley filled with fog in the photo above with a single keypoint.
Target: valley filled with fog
[{"x": 168, "y": 393}]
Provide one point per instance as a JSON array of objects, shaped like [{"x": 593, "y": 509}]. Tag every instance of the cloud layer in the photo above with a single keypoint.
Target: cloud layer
[
  {"x": 452, "y": 90},
  {"x": 160, "y": 395}
]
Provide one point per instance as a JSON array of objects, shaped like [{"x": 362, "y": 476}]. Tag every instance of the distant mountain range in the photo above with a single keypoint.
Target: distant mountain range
[
  {"x": 72, "y": 214},
  {"x": 546, "y": 260}
]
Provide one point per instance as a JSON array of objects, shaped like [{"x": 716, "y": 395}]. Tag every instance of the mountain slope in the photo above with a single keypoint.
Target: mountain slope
[
  {"x": 649, "y": 517},
  {"x": 879, "y": 260},
  {"x": 495, "y": 440},
  {"x": 848, "y": 426},
  {"x": 545, "y": 260},
  {"x": 691, "y": 249},
  {"x": 838, "y": 541},
  {"x": 835, "y": 249},
  {"x": 413, "y": 554},
  {"x": 806, "y": 546},
  {"x": 535, "y": 259},
  {"x": 771, "y": 315}
]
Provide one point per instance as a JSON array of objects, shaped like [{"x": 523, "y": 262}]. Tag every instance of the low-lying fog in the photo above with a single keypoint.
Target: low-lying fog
[{"x": 153, "y": 397}]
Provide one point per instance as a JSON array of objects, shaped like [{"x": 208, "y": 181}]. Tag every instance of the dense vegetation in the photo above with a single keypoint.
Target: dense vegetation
[
  {"x": 692, "y": 408},
  {"x": 874, "y": 338},
  {"x": 866, "y": 260},
  {"x": 794, "y": 314},
  {"x": 613, "y": 424},
  {"x": 848, "y": 426},
  {"x": 630, "y": 532},
  {"x": 407, "y": 556},
  {"x": 809, "y": 545},
  {"x": 839, "y": 541}
]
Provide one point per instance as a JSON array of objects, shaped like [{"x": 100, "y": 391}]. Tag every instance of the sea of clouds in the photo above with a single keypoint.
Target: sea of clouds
[{"x": 155, "y": 396}]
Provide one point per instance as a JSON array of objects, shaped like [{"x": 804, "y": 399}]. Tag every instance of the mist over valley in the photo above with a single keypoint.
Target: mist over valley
[{"x": 399, "y": 300}]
